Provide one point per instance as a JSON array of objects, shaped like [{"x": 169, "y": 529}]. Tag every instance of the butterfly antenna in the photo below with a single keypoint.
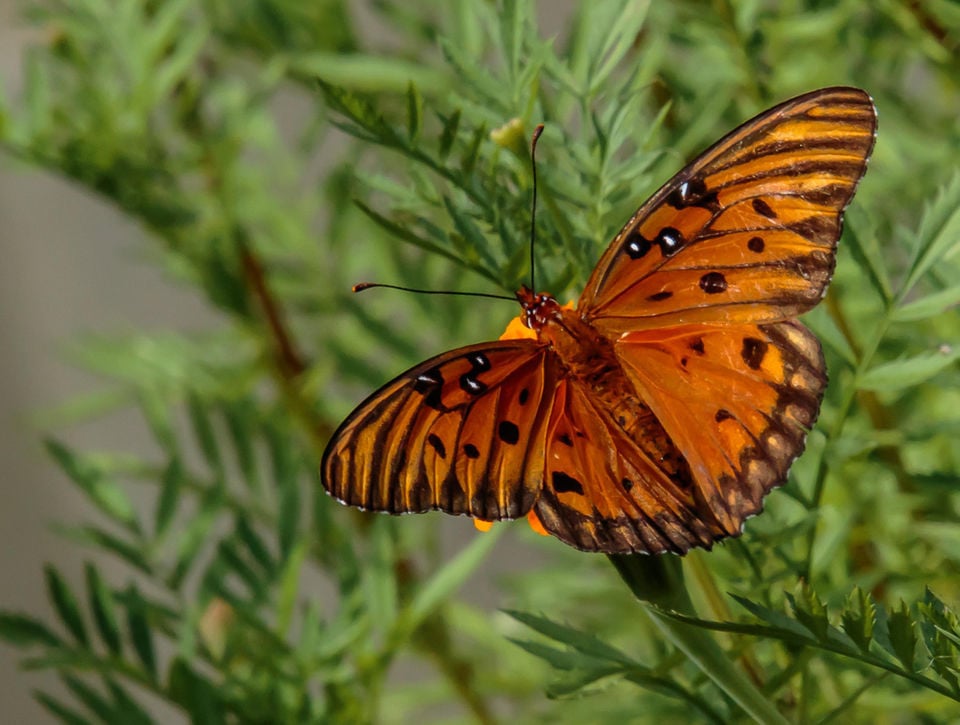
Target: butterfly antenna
[
  {"x": 370, "y": 285},
  {"x": 533, "y": 205},
  {"x": 360, "y": 287}
]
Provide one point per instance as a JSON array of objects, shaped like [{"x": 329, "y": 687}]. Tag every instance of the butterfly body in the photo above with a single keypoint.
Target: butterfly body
[
  {"x": 589, "y": 360},
  {"x": 658, "y": 414}
]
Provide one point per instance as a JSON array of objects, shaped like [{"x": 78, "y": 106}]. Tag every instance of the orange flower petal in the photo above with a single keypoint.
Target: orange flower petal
[
  {"x": 536, "y": 524},
  {"x": 516, "y": 330},
  {"x": 532, "y": 519}
]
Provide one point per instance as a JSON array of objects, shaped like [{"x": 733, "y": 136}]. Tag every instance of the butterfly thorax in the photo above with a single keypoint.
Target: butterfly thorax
[
  {"x": 585, "y": 355},
  {"x": 589, "y": 357}
]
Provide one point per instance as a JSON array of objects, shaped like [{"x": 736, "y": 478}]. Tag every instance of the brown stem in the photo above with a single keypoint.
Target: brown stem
[
  {"x": 287, "y": 357},
  {"x": 930, "y": 24}
]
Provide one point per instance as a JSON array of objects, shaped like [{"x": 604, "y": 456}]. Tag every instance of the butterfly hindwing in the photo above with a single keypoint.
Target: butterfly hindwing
[
  {"x": 747, "y": 232},
  {"x": 462, "y": 432},
  {"x": 603, "y": 492},
  {"x": 738, "y": 400}
]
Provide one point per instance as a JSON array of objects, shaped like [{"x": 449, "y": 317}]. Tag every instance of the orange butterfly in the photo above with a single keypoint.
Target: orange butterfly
[{"x": 657, "y": 415}]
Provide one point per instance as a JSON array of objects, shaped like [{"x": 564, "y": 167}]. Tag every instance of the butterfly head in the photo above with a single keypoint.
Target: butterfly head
[{"x": 539, "y": 308}]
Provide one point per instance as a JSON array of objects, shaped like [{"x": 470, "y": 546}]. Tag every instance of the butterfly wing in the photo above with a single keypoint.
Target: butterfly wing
[
  {"x": 462, "y": 432},
  {"x": 745, "y": 233},
  {"x": 738, "y": 401},
  {"x": 602, "y": 492},
  {"x": 735, "y": 403}
]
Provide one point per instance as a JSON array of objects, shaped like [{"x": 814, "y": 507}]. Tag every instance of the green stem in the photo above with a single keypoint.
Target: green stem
[
  {"x": 843, "y": 413},
  {"x": 658, "y": 583}
]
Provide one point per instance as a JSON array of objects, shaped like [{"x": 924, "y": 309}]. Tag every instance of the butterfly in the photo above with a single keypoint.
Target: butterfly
[{"x": 658, "y": 414}]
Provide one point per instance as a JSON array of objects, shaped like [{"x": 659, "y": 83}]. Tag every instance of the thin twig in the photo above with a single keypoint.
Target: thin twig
[{"x": 288, "y": 358}]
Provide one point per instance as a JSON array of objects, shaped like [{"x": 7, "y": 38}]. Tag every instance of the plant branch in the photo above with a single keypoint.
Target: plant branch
[
  {"x": 657, "y": 581},
  {"x": 288, "y": 359}
]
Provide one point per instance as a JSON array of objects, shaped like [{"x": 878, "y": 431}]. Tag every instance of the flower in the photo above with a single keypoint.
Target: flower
[
  {"x": 214, "y": 626},
  {"x": 532, "y": 519},
  {"x": 511, "y": 136}
]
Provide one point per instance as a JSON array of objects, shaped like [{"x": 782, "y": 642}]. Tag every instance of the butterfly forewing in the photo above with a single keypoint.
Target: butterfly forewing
[
  {"x": 747, "y": 232},
  {"x": 462, "y": 432}
]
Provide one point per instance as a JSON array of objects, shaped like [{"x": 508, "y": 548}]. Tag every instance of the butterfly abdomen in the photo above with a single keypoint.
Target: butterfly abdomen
[{"x": 590, "y": 359}]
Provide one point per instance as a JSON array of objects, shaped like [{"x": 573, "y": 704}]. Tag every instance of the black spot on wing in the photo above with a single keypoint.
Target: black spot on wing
[
  {"x": 660, "y": 296},
  {"x": 434, "y": 440},
  {"x": 479, "y": 362},
  {"x": 428, "y": 380},
  {"x": 429, "y": 384},
  {"x": 471, "y": 451},
  {"x": 636, "y": 246},
  {"x": 470, "y": 384},
  {"x": 508, "y": 432},
  {"x": 669, "y": 240},
  {"x": 753, "y": 352},
  {"x": 693, "y": 192},
  {"x": 713, "y": 283},
  {"x": 763, "y": 209},
  {"x": 563, "y": 483}
]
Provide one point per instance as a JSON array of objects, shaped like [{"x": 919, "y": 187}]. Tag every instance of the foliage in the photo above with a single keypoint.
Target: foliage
[{"x": 170, "y": 110}]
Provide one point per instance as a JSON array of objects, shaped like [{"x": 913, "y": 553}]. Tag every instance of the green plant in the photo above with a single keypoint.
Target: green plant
[{"x": 167, "y": 109}]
